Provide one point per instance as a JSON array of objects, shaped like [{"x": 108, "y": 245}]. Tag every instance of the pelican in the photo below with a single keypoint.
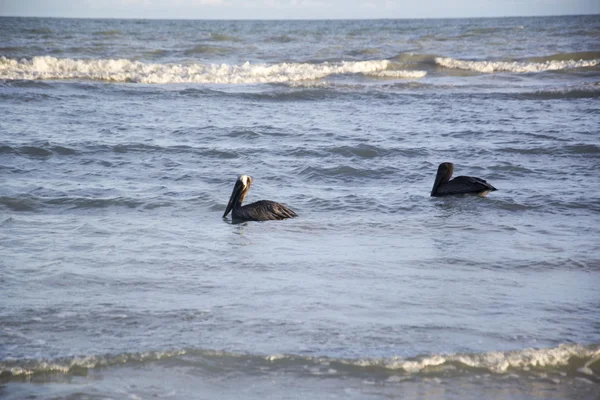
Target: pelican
[
  {"x": 263, "y": 210},
  {"x": 443, "y": 186}
]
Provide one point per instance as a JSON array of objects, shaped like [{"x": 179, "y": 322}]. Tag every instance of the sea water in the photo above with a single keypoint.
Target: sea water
[{"x": 120, "y": 143}]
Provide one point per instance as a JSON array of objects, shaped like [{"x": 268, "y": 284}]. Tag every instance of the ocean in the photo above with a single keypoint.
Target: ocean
[{"x": 120, "y": 143}]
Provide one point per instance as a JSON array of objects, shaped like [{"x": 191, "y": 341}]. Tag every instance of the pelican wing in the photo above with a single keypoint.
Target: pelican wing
[
  {"x": 264, "y": 210},
  {"x": 464, "y": 185}
]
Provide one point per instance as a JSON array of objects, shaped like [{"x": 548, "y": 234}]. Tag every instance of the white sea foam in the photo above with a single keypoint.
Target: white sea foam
[
  {"x": 496, "y": 362},
  {"x": 30, "y": 367},
  {"x": 45, "y": 67},
  {"x": 403, "y": 74},
  {"x": 514, "y": 66},
  {"x": 493, "y": 362}
]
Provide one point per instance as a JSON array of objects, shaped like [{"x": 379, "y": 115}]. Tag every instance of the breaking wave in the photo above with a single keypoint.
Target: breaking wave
[
  {"x": 573, "y": 359},
  {"x": 514, "y": 66},
  {"x": 122, "y": 70},
  {"x": 398, "y": 74},
  {"x": 28, "y": 203},
  {"x": 578, "y": 92}
]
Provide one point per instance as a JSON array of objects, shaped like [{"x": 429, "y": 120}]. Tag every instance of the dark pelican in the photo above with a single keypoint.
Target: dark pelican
[
  {"x": 263, "y": 210},
  {"x": 443, "y": 186}
]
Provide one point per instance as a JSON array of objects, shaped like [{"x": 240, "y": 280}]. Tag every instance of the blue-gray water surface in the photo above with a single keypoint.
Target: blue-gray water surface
[{"x": 120, "y": 143}]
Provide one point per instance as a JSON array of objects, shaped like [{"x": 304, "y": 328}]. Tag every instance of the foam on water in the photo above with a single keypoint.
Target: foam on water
[
  {"x": 496, "y": 362},
  {"x": 398, "y": 74},
  {"x": 514, "y": 66},
  {"x": 66, "y": 365},
  {"x": 44, "y": 67},
  {"x": 123, "y": 70}
]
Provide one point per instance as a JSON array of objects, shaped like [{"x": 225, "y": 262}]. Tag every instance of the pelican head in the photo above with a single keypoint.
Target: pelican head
[
  {"x": 444, "y": 173},
  {"x": 240, "y": 190}
]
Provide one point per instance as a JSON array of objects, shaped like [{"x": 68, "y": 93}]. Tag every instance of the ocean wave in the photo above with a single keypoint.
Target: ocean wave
[
  {"x": 582, "y": 55},
  {"x": 222, "y": 37},
  {"x": 45, "y": 67},
  {"x": 46, "y": 150},
  {"x": 74, "y": 364},
  {"x": 344, "y": 172},
  {"x": 359, "y": 151},
  {"x": 424, "y": 59},
  {"x": 582, "y": 92},
  {"x": 281, "y": 39},
  {"x": 12, "y": 49},
  {"x": 405, "y": 74},
  {"x": 576, "y": 149},
  {"x": 573, "y": 359},
  {"x": 207, "y": 49},
  {"x": 28, "y": 203},
  {"x": 39, "y": 31},
  {"x": 301, "y": 91},
  {"x": 514, "y": 66},
  {"x": 369, "y": 51},
  {"x": 31, "y": 151},
  {"x": 110, "y": 32}
]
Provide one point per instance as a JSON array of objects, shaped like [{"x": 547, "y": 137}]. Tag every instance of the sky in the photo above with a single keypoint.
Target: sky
[{"x": 294, "y": 9}]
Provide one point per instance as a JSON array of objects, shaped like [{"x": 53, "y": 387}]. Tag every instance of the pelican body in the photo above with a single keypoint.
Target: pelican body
[
  {"x": 263, "y": 210},
  {"x": 443, "y": 186}
]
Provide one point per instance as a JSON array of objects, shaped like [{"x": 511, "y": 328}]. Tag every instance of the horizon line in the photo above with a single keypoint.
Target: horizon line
[{"x": 303, "y": 19}]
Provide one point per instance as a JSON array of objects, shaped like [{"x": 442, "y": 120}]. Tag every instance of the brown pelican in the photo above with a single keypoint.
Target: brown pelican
[
  {"x": 263, "y": 210},
  {"x": 443, "y": 186}
]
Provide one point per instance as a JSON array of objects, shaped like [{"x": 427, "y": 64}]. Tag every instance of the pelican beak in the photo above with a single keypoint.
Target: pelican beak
[{"x": 235, "y": 196}]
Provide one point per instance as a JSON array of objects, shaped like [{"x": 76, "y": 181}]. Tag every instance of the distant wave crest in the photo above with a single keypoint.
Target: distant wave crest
[
  {"x": 514, "y": 66},
  {"x": 409, "y": 74},
  {"x": 44, "y": 67}
]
